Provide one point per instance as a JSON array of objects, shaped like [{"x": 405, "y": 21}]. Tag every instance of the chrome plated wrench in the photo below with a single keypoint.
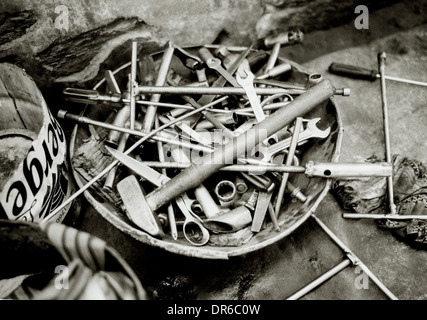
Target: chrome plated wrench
[{"x": 311, "y": 131}]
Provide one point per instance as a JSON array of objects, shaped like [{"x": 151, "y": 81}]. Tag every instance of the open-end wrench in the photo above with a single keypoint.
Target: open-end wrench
[
  {"x": 215, "y": 64},
  {"x": 311, "y": 131},
  {"x": 247, "y": 84}
]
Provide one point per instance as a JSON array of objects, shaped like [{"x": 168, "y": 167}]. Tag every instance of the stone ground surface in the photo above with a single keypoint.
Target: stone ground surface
[{"x": 281, "y": 269}]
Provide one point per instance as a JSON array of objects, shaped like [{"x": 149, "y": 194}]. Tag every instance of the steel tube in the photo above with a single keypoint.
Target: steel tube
[
  {"x": 226, "y": 154},
  {"x": 381, "y": 66},
  {"x": 132, "y": 84},
  {"x": 320, "y": 280}
]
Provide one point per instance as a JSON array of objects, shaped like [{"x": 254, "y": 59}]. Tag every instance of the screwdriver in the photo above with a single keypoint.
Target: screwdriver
[{"x": 367, "y": 74}]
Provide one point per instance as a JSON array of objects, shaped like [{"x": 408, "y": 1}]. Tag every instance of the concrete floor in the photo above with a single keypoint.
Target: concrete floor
[{"x": 276, "y": 272}]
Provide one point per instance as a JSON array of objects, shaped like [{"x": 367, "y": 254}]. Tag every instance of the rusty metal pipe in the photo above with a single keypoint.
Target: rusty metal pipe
[{"x": 226, "y": 154}]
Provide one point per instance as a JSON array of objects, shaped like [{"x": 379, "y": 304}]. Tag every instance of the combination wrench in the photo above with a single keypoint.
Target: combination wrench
[
  {"x": 247, "y": 84},
  {"x": 311, "y": 131}
]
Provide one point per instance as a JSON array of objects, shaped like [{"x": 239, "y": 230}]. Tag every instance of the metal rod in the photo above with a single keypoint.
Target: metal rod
[
  {"x": 132, "y": 84},
  {"x": 320, "y": 280},
  {"x": 419, "y": 83},
  {"x": 354, "y": 258},
  {"x": 383, "y": 216},
  {"x": 381, "y": 67},
  {"x": 188, "y": 90},
  {"x": 231, "y": 168},
  {"x": 86, "y": 120},
  {"x": 129, "y": 150},
  {"x": 210, "y": 117},
  {"x": 289, "y": 159},
  {"x": 160, "y": 81},
  {"x": 273, "y": 217},
  {"x": 229, "y": 152}
]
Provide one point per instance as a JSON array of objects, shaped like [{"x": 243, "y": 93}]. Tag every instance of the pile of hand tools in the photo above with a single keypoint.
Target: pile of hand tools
[{"x": 203, "y": 142}]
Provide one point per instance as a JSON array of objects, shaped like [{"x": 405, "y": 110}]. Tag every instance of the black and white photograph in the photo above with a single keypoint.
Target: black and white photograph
[{"x": 213, "y": 157}]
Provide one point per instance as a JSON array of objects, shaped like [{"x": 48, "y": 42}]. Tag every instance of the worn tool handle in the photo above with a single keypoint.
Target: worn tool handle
[{"x": 353, "y": 71}]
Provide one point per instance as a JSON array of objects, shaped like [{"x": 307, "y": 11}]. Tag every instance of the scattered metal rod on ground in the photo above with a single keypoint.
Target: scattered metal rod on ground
[
  {"x": 354, "y": 259},
  {"x": 307, "y": 96}
]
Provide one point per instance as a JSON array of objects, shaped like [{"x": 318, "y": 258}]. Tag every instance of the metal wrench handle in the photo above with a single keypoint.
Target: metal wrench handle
[
  {"x": 248, "y": 85},
  {"x": 303, "y": 136}
]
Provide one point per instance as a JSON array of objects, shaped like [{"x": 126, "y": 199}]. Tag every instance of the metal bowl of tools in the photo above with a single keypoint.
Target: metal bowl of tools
[{"x": 236, "y": 205}]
